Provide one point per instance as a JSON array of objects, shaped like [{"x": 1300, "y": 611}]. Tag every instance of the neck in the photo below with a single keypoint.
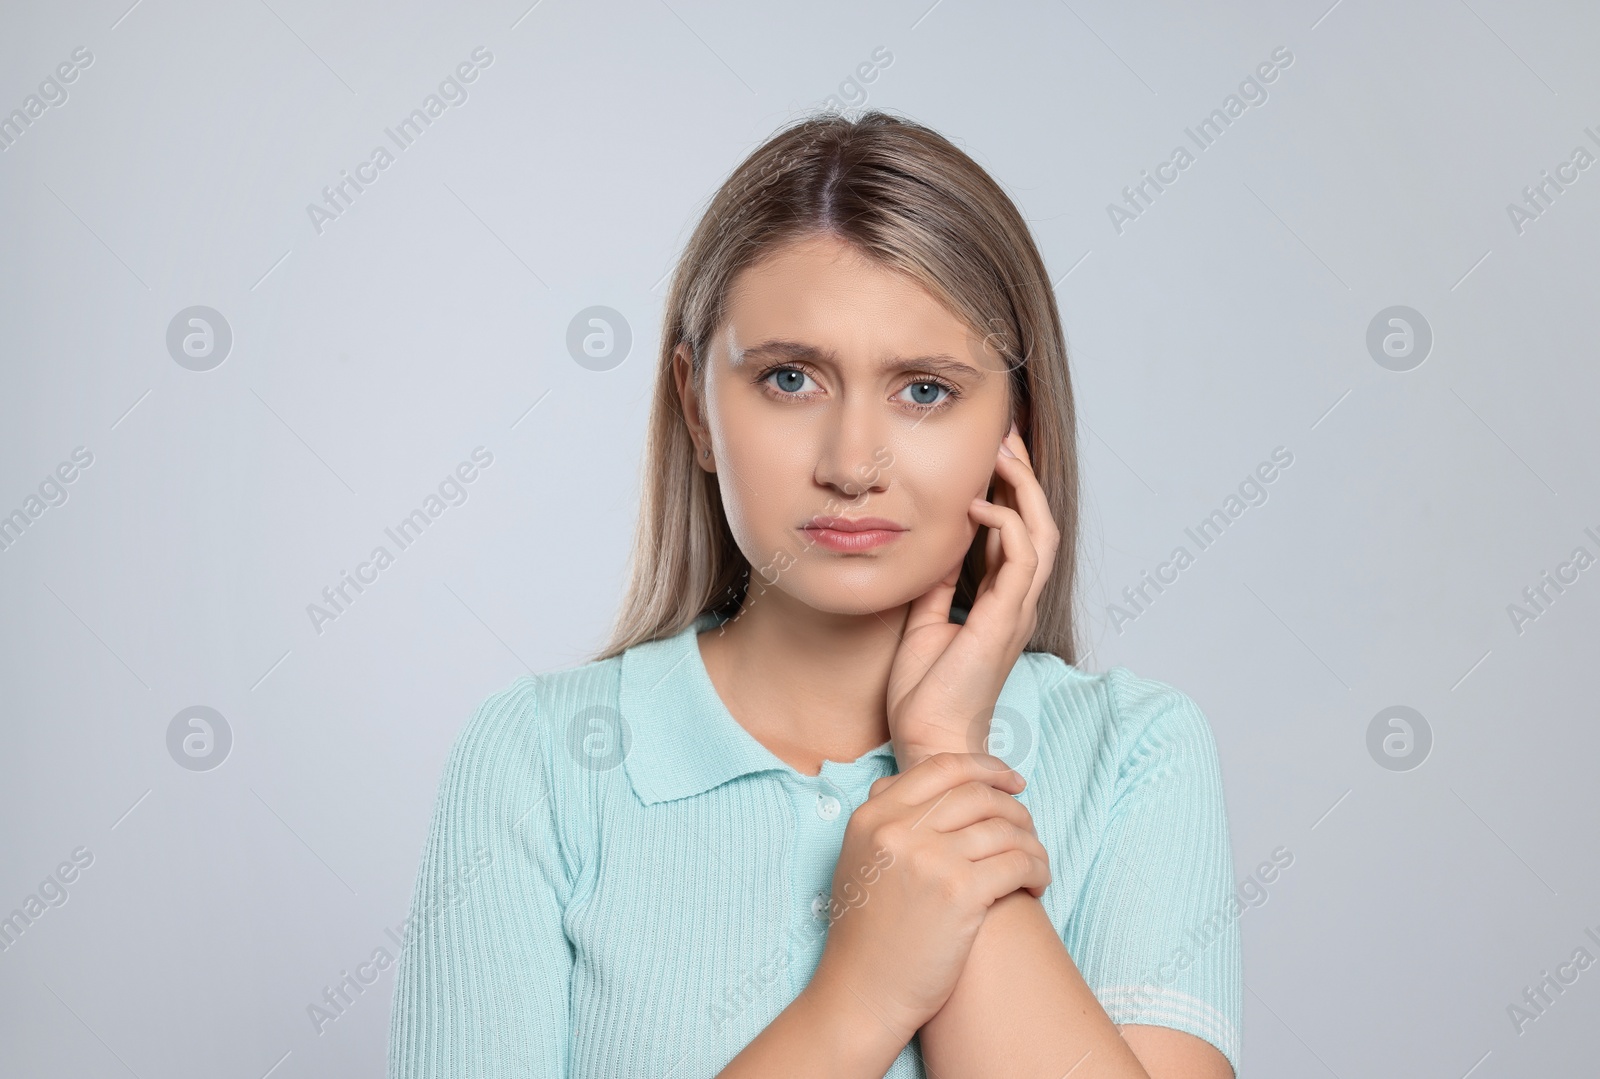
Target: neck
[{"x": 808, "y": 684}]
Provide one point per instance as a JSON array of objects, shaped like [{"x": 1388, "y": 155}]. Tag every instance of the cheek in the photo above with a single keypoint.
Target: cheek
[
  {"x": 944, "y": 479},
  {"x": 759, "y": 468}
]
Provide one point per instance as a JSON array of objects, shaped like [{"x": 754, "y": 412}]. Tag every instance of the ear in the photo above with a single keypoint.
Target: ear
[{"x": 689, "y": 402}]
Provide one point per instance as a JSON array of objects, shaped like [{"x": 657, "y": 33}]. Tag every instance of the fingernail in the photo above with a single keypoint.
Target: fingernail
[{"x": 1006, "y": 450}]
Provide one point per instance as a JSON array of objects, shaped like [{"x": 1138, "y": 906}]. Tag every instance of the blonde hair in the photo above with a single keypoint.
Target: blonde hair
[{"x": 908, "y": 198}]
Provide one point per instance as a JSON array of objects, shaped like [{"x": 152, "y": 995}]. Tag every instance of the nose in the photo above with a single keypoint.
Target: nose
[{"x": 853, "y": 452}]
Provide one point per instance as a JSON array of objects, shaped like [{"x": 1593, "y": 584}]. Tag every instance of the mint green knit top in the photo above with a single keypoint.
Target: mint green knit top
[{"x": 619, "y": 880}]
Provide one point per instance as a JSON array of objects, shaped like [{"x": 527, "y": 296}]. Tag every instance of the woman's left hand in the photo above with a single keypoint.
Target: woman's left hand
[{"x": 946, "y": 677}]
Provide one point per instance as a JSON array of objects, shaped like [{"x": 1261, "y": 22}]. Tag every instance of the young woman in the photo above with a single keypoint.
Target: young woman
[{"x": 835, "y": 799}]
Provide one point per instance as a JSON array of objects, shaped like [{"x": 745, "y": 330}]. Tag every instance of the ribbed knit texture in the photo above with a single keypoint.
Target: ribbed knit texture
[{"x": 619, "y": 880}]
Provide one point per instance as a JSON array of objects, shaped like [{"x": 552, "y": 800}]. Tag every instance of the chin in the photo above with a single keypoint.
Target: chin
[{"x": 856, "y": 592}]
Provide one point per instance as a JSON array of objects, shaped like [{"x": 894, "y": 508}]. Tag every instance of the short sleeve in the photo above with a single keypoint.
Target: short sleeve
[
  {"x": 1156, "y": 929},
  {"x": 482, "y": 989}
]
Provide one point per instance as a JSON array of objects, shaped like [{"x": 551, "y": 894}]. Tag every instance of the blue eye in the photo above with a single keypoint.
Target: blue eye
[
  {"x": 788, "y": 379},
  {"x": 926, "y": 394}
]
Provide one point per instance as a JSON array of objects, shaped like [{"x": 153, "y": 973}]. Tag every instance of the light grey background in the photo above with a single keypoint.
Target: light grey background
[{"x": 368, "y": 360}]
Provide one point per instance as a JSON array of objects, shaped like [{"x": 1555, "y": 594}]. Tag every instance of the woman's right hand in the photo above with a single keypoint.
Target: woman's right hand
[{"x": 923, "y": 858}]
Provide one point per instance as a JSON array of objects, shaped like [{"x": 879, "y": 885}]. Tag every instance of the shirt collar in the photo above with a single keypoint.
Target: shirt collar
[{"x": 684, "y": 741}]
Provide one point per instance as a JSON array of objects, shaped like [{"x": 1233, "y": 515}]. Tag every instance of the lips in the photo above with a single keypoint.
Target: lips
[
  {"x": 854, "y": 524},
  {"x": 847, "y": 535}
]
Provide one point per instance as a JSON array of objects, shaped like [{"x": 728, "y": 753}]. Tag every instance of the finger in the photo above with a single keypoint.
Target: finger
[
  {"x": 995, "y": 835},
  {"x": 1028, "y": 497},
  {"x": 1014, "y": 442},
  {"x": 974, "y": 801},
  {"x": 1034, "y": 507},
  {"x": 1017, "y": 566},
  {"x": 1001, "y": 874},
  {"x": 1001, "y": 494},
  {"x": 933, "y": 606},
  {"x": 991, "y": 561},
  {"x": 938, "y": 773},
  {"x": 991, "y": 551}
]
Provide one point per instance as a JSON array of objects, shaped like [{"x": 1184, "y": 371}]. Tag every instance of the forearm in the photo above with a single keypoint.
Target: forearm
[
  {"x": 818, "y": 1035},
  {"x": 1021, "y": 1008}
]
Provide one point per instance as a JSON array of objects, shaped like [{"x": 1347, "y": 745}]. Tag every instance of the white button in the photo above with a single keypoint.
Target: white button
[
  {"x": 827, "y": 806},
  {"x": 819, "y": 906}
]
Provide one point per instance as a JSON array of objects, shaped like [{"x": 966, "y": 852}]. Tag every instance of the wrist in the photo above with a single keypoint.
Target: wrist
[
  {"x": 909, "y": 754},
  {"x": 857, "y": 1038}
]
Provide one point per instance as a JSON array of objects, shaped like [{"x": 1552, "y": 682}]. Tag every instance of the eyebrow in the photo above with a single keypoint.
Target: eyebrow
[{"x": 779, "y": 349}]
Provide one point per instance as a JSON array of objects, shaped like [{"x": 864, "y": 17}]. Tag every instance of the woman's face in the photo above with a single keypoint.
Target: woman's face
[{"x": 838, "y": 388}]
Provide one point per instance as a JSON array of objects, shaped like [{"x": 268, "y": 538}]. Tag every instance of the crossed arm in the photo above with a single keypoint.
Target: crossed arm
[{"x": 1021, "y": 1008}]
